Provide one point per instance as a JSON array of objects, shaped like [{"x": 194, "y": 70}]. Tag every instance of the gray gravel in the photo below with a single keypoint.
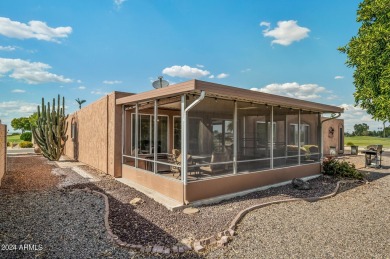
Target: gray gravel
[
  {"x": 59, "y": 224},
  {"x": 353, "y": 224}
]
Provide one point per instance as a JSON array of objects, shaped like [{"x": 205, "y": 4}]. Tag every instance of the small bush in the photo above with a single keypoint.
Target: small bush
[
  {"x": 350, "y": 144},
  {"x": 25, "y": 144},
  {"x": 27, "y": 136},
  {"x": 8, "y": 144},
  {"x": 15, "y": 134},
  {"x": 336, "y": 168}
]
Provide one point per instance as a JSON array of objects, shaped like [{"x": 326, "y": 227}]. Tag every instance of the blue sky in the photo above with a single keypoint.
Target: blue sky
[{"x": 85, "y": 49}]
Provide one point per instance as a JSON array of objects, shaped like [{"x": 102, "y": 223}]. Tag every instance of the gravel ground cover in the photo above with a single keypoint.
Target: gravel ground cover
[
  {"x": 353, "y": 224},
  {"x": 148, "y": 223},
  {"x": 151, "y": 223},
  {"x": 37, "y": 220}
]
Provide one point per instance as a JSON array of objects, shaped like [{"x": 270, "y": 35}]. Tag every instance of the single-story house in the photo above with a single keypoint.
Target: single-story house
[{"x": 197, "y": 140}]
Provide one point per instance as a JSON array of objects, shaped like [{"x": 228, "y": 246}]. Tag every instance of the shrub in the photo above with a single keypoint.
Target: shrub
[
  {"x": 27, "y": 136},
  {"x": 25, "y": 144},
  {"x": 350, "y": 144},
  {"x": 15, "y": 134},
  {"x": 8, "y": 144},
  {"x": 336, "y": 168}
]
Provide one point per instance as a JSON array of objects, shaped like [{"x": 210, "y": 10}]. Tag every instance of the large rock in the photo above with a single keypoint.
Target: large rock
[
  {"x": 300, "y": 184},
  {"x": 136, "y": 201},
  {"x": 190, "y": 210}
]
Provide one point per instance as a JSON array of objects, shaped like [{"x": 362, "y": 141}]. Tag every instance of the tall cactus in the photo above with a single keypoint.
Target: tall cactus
[{"x": 51, "y": 128}]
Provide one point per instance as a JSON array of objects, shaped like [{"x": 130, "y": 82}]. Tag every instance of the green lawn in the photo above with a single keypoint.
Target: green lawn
[
  {"x": 364, "y": 141},
  {"x": 15, "y": 138}
]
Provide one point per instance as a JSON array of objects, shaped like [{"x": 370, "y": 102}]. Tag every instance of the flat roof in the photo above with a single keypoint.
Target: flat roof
[{"x": 230, "y": 93}]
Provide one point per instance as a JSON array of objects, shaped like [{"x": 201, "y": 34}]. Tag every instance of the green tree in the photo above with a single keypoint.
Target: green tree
[
  {"x": 21, "y": 123},
  {"x": 369, "y": 53},
  {"x": 33, "y": 119},
  {"x": 361, "y": 129},
  {"x": 80, "y": 102}
]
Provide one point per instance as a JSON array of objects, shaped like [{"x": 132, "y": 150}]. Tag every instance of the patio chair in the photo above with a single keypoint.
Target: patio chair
[
  {"x": 216, "y": 157},
  {"x": 175, "y": 158}
]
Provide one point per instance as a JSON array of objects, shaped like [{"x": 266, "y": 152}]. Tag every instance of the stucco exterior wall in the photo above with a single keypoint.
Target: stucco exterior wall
[
  {"x": 3, "y": 150},
  {"x": 333, "y": 140},
  {"x": 98, "y": 135}
]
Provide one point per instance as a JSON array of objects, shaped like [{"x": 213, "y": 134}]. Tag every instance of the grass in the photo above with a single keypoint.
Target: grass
[
  {"x": 363, "y": 141},
  {"x": 15, "y": 138}
]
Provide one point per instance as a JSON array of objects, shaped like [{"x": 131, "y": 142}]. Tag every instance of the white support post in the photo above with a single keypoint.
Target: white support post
[
  {"x": 272, "y": 139},
  {"x": 155, "y": 135},
  {"x": 183, "y": 139},
  {"x": 136, "y": 135},
  {"x": 299, "y": 136},
  {"x": 123, "y": 130},
  {"x": 235, "y": 138}
]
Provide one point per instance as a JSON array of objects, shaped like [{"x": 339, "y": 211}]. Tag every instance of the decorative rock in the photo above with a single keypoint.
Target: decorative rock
[
  {"x": 190, "y": 210},
  {"x": 181, "y": 249},
  {"x": 148, "y": 249},
  {"x": 231, "y": 232},
  {"x": 136, "y": 201},
  {"x": 187, "y": 242},
  {"x": 199, "y": 248},
  {"x": 213, "y": 241},
  {"x": 300, "y": 184},
  {"x": 204, "y": 242},
  {"x": 175, "y": 249},
  {"x": 224, "y": 239},
  {"x": 158, "y": 249},
  {"x": 197, "y": 243},
  {"x": 167, "y": 251}
]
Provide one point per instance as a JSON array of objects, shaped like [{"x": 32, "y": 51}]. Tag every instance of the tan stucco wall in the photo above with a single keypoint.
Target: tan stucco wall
[
  {"x": 333, "y": 140},
  {"x": 98, "y": 140},
  {"x": 168, "y": 187},
  {"x": 199, "y": 190},
  {"x": 3, "y": 150}
]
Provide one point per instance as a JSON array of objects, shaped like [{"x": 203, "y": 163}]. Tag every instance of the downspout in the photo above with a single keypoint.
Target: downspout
[
  {"x": 184, "y": 143},
  {"x": 333, "y": 116}
]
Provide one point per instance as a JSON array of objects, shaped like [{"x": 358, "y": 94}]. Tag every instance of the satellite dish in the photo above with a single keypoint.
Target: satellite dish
[{"x": 160, "y": 83}]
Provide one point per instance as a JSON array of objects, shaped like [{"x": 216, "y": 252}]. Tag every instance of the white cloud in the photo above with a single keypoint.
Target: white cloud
[
  {"x": 33, "y": 30},
  {"x": 222, "y": 75},
  {"x": 99, "y": 92},
  {"x": 294, "y": 90},
  {"x": 338, "y": 77},
  {"x": 118, "y": 3},
  {"x": 81, "y": 87},
  {"x": 31, "y": 72},
  {"x": 7, "y": 48},
  {"x": 246, "y": 70},
  {"x": 356, "y": 115},
  {"x": 15, "y": 109},
  {"x": 79, "y": 81},
  {"x": 212, "y": 76},
  {"x": 18, "y": 91},
  {"x": 286, "y": 32},
  {"x": 112, "y": 82},
  {"x": 201, "y": 66},
  {"x": 185, "y": 71}
]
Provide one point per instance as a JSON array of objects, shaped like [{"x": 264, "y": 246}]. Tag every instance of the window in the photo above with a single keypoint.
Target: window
[
  {"x": 146, "y": 133},
  {"x": 222, "y": 134},
  {"x": 294, "y": 134}
]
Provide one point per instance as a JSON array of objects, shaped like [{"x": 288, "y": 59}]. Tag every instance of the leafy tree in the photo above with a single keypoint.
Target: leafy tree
[
  {"x": 369, "y": 53},
  {"x": 21, "y": 123},
  {"x": 33, "y": 119},
  {"x": 361, "y": 129},
  {"x": 80, "y": 102}
]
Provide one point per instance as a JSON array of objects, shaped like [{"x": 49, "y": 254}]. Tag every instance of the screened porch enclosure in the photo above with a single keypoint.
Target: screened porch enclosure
[{"x": 188, "y": 138}]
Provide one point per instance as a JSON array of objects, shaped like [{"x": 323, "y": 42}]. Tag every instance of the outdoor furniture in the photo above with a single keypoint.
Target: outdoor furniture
[
  {"x": 214, "y": 167},
  {"x": 373, "y": 156}
]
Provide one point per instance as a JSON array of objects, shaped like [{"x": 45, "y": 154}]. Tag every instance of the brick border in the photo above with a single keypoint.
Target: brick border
[{"x": 220, "y": 239}]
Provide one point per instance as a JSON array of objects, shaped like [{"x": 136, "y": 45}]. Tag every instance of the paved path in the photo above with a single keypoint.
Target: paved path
[{"x": 354, "y": 224}]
